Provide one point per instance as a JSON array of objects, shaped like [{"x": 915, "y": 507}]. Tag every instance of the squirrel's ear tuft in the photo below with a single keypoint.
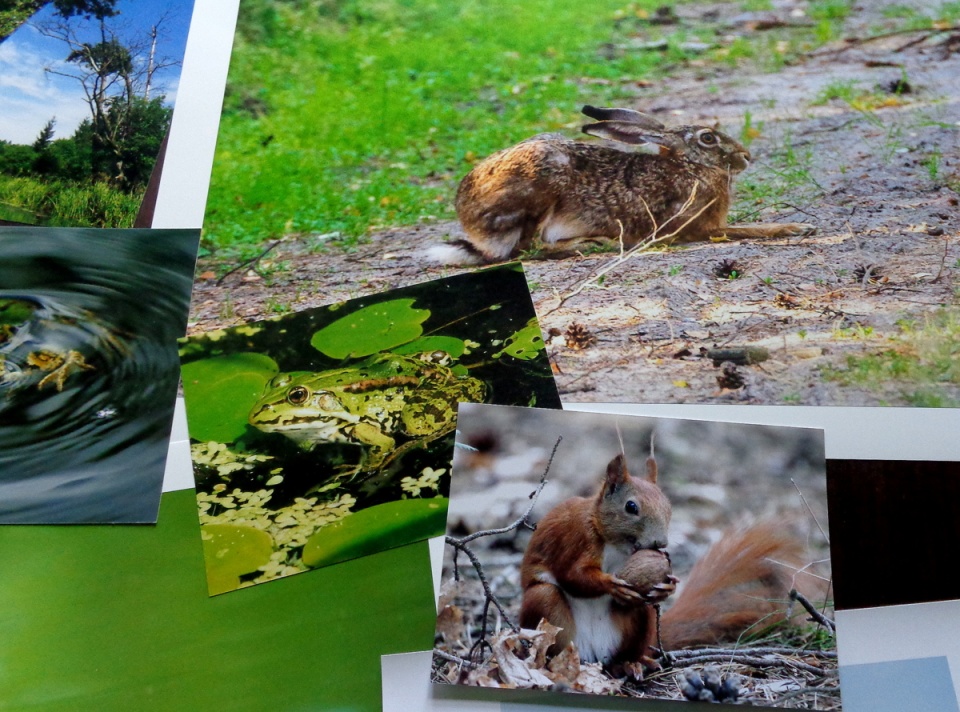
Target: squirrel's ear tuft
[
  {"x": 652, "y": 459},
  {"x": 652, "y": 469},
  {"x": 616, "y": 474}
]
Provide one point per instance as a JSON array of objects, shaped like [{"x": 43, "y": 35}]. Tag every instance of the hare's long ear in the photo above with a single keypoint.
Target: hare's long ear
[
  {"x": 628, "y": 115},
  {"x": 634, "y": 134}
]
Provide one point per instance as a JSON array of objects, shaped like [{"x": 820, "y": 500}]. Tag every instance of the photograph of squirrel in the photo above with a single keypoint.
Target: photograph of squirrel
[{"x": 596, "y": 567}]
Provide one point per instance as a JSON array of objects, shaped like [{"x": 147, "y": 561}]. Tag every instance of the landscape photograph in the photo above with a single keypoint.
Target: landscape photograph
[
  {"x": 349, "y": 128},
  {"x": 88, "y": 93}
]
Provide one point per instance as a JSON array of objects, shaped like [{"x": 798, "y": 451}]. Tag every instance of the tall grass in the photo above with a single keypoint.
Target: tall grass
[
  {"x": 64, "y": 203},
  {"x": 344, "y": 118}
]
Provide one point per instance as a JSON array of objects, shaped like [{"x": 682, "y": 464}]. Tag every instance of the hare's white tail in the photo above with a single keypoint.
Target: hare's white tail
[{"x": 453, "y": 253}]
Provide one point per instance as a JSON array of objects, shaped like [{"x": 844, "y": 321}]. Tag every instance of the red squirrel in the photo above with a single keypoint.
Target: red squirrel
[{"x": 571, "y": 575}]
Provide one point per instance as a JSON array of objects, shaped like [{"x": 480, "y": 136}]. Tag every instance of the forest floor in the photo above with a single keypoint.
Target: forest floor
[{"x": 858, "y": 137}]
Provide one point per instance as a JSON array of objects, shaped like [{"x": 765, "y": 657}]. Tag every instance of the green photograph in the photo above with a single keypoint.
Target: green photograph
[{"x": 110, "y": 619}]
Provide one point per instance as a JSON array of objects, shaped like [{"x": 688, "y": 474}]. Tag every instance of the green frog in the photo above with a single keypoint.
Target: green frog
[
  {"x": 368, "y": 404},
  {"x": 33, "y": 345}
]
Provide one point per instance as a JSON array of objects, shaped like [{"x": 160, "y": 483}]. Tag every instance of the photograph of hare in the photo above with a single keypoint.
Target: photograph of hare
[
  {"x": 737, "y": 202},
  {"x": 581, "y": 547}
]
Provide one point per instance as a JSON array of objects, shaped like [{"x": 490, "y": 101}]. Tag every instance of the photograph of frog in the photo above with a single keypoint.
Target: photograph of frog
[
  {"x": 89, "y": 322},
  {"x": 327, "y": 434},
  {"x": 88, "y": 91},
  {"x": 733, "y": 202},
  {"x": 637, "y": 557}
]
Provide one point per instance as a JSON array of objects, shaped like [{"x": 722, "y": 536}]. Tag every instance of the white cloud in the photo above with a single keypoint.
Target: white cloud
[{"x": 31, "y": 96}]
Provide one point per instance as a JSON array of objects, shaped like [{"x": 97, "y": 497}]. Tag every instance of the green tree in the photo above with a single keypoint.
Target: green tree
[
  {"x": 45, "y": 138},
  {"x": 44, "y": 163},
  {"x": 16, "y": 160},
  {"x": 74, "y": 155}
]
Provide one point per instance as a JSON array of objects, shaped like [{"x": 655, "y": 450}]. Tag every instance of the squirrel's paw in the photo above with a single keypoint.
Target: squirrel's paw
[
  {"x": 661, "y": 591},
  {"x": 637, "y": 670},
  {"x": 626, "y": 594}
]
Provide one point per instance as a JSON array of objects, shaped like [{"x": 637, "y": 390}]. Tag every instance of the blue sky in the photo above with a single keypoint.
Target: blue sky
[{"x": 29, "y": 96}]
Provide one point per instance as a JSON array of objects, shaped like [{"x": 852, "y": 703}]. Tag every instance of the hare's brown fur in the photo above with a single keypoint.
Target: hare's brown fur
[{"x": 573, "y": 194}]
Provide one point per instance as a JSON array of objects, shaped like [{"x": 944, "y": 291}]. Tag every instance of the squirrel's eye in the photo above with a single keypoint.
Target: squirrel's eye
[
  {"x": 298, "y": 395},
  {"x": 708, "y": 138},
  {"x": 632, "y": 507}
]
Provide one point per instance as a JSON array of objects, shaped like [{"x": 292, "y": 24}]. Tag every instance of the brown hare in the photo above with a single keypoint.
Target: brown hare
[{"x": 573, "y": 194}]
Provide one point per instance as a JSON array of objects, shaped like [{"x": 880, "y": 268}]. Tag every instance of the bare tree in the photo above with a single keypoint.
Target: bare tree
[{"x": 116, "y": 73}]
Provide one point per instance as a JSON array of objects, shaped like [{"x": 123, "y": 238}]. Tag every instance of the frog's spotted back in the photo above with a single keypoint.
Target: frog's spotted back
[{"x": 371, "y": 405}]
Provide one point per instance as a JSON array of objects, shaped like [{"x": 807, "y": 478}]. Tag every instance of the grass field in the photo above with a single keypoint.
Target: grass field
[
  {"x": 342, "y": 118},
  {"x": 59, "y": 203}
]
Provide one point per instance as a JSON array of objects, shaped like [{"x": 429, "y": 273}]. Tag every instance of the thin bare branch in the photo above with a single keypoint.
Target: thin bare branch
[
  {"x": 461, "y": 545},
  {"x": 654, "y": 240},
  {"x": 795, "y": 595}
]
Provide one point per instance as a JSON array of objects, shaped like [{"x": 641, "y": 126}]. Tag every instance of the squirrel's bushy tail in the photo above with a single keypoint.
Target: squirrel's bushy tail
[{"x": 741, "y": 585}]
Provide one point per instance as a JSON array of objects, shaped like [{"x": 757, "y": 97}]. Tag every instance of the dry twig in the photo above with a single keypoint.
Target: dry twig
[{"x": 654, "y": 240}]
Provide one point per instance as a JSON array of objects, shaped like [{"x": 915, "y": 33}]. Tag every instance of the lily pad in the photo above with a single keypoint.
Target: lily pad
[
  {"x": 448, "y": 344},
  {"x": 230, "y": 551},
  {"x": 524, "y": 344},
  {"x": 378, "y": 327},
  {"x": 219, "y": 393},
  {"x": 376, "y": 528}
]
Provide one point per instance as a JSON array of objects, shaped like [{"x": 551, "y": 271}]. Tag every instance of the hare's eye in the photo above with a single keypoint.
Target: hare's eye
[{"x": 708, "y": 138}]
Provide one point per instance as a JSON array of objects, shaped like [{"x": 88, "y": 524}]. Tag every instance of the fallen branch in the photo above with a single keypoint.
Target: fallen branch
[
  {"x": 449, "y": 657},
  {"x": 746, "y": 658},
  {"x": 795, "y": 595},
  {"x": 686, "y": 655},
  {"x": 857, "y": 41},
  {"x": 251, "y": 261}
]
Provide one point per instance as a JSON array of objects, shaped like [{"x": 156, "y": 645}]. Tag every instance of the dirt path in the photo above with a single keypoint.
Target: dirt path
[{"x": 880, "y": 182}]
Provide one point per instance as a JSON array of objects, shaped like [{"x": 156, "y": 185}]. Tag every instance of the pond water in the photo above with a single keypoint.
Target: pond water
[{"x": 89, "y": 370}]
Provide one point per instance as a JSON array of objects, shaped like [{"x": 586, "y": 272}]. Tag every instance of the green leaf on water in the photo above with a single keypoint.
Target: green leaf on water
[
  {"x": 378, "y": 327},
  {"x": 524, "y": 344},
  {"x": 219, "y": 393},
  {"x": 448, "y": 344},
  {"x": 230, "y": 551},
  {"x": 376, "y": 528}
]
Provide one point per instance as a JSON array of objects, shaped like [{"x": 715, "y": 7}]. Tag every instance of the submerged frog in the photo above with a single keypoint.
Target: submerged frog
[
  {"x": 368, "y": 404},
  {"x": 34, "y": 344}
]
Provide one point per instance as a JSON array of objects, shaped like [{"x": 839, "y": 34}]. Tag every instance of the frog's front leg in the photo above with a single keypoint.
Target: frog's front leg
[
  {"x": 60, "y": 367},
  {"x": 379, "y": 445}
]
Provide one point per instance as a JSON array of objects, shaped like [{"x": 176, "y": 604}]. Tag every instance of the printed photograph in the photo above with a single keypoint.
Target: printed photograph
[
  {"x": 88, "y": 93},
  {"x": 325, "y": 435},
  {"x": 89, "y": 322},
  {"x": 738, "y": 202},
  {"x": 646, "y": 558}
]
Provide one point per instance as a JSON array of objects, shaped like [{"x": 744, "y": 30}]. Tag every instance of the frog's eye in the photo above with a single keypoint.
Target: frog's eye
[{"x": 298, "y": 395}]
